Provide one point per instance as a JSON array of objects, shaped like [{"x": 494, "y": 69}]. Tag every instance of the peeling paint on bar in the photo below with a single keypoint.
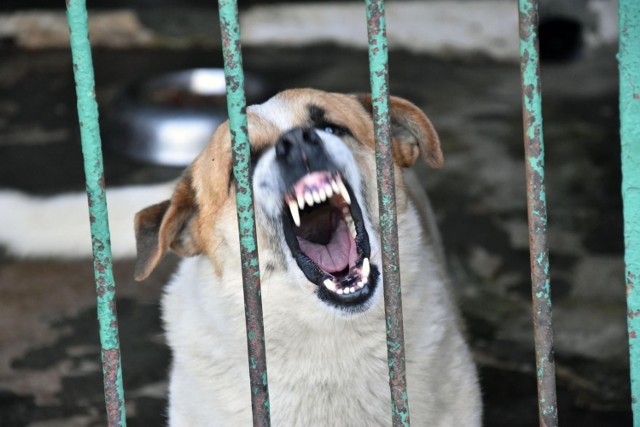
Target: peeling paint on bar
[
  {"x": 378, "y": 56},
  {"x": 236, "y": 105},
  {"x": 92, "y": 152},
  {"x": 537, "y": 211},
  {"x": 629, "y": 68}
]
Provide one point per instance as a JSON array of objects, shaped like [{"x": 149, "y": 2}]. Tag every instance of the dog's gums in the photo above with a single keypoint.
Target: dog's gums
[{"x": 326, "y": 234}]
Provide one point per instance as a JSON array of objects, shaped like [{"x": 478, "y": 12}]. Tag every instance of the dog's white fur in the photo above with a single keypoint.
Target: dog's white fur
[{"x": 325, "y": 367}]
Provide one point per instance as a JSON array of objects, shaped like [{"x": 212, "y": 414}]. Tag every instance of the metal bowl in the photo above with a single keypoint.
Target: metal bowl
[{"x": 169, "y": 119}]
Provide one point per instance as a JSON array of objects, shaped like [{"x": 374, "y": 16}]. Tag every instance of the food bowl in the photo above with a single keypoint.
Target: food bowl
[{"x": 169, "y": 119}]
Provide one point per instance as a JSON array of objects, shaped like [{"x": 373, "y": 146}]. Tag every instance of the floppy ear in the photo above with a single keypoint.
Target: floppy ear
[
  {"x": 166, "y": 225},
  {"x": 411, "y": 131}
]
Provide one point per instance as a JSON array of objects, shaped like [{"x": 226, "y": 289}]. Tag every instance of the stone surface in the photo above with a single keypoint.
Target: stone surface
[{"x": 448, "y": 28}]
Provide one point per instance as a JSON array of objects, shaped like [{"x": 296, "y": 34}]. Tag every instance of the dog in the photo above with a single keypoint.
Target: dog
[{"x": 317, "y": 221}]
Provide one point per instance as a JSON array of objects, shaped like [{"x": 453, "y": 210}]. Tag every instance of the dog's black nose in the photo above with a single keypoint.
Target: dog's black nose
[
  {"x": 297, "y": 145},
  {"x": 300, "y": 151}
]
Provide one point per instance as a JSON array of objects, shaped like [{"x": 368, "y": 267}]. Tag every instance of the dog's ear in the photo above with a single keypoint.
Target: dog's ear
[
  {"x": 166, "y": 225},
  {"x": 411, "y": 131}
]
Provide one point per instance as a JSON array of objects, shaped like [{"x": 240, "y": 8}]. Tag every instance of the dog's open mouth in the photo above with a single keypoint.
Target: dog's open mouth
[{"x": 325, "y": 231}]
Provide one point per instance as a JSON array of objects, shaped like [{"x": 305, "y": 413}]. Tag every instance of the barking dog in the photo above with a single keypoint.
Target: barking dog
[{"x": 316, "y": 206}]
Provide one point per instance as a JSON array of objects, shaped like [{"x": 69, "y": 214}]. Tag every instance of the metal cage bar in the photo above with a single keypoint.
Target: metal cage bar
[
  {"x": 379, "y": 74},
  {"x": 238, "y": 129},
  {"x": 629, "y": 67},
  {"x": 537, "y": 212},
  {"x": 94, "y": 174}
]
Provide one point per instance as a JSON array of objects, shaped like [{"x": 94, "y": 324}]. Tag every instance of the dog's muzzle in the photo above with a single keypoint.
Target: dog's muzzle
[{"x": 323, "y": 222}]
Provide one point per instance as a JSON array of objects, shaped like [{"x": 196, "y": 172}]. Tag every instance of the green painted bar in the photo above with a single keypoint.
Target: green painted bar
[
  {"x": 378, "y": 64},
  {"x": 92, "y": 152},
  {"x": 629, "y": 67},
  {"x": 537, "y": 212},
  {"x": 236, "y": 105}
]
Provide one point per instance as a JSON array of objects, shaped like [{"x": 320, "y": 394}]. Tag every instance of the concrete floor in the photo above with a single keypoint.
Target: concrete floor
[{"x": 49, "y": 351}]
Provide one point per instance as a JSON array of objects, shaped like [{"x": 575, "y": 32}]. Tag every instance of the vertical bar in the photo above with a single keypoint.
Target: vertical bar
[
  {"x": 94, "y": 175},
  {"x": 236, "y": 104},
  {"x": 629, "y": 66},
  {"x": 378, "y": 64},
  {"x": 537, "y": 212}
]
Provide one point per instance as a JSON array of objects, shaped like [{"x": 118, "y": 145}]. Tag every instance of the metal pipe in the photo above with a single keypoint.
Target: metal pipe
[
  {"x": 537, "y": 212},
  {"x": 379, "y": 74},
  {"x": 238, "y": 128},
  {"x": 629, "y": 68},
  {"x": 92, "y": 152}
]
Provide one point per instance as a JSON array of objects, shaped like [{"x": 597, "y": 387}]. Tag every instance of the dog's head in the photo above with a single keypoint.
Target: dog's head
[{"x": 314, "y": 181}]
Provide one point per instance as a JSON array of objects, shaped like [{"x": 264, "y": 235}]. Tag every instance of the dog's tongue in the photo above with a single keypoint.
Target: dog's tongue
[{"x": 334, "y": 256}]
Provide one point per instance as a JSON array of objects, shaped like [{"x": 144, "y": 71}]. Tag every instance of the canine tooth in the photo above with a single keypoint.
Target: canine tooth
[
  {"x": 366, "y": 268},
  {"x": 328, "y": 190},
  {"x": 334, "y": 186},
  {"x": 300, "y": 201},
  {"x": 328, "y": 283},
  {"x": 295, "y": 214},
  {"x": 316, "y": 197},
  {"x": 308, "y": 198},
  {"x": 322, "y": 194},
  {"x": 344, "y": 193}
]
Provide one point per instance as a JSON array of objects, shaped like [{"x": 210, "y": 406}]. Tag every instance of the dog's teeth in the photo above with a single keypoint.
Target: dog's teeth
[
  {"x": 339, "y": 291},
  {"x": 365, "y": 280},
  {"x": 352, "y": 229},
  {"x": 308, "y": 198},
  {"x": 360, "y": 285},
  {"x": 300, "y": 201},
  {"x": 316, "y": 197},
  {"x": 322, "y": 194},
  {"x": 295, "y": 214},
  {"x": 328, "y": 190},
  {"x": 334, "y": 186},
  {"x": 352, "y": 289},
  {"x": 366, "y": 268},
  {"x": 344, "y": 193},
  {"x": 328, "y": 283}
]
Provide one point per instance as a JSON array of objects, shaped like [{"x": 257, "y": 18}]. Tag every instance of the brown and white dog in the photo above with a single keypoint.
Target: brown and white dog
[
  {"x": 316, "y": 209},
  {"x": 317, "y": 223}
]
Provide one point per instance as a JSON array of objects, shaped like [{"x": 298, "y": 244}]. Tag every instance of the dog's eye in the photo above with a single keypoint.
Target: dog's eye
[{"x": 332, "y": 129}]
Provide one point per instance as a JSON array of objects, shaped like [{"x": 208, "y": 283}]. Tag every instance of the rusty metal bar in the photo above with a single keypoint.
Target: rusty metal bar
[
  {"x": 379, "y": 74},
  {"x": 629, "y": 67},
  {"x": 537, "y": 212},
  {"x": 236, "y": 105},
  {"x": 92, "y": 152}
]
